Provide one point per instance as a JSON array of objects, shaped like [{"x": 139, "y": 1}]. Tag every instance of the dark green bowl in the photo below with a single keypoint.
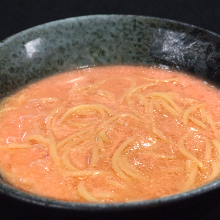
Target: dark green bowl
[{"x": 101, "y": 40}]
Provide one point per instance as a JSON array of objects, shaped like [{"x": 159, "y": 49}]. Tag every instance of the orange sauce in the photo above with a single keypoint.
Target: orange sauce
[{"x": 155, "y": 157}]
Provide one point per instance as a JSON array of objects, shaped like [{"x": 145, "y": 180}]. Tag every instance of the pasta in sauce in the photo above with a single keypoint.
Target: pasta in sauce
[{"x": 111, "y": 134}]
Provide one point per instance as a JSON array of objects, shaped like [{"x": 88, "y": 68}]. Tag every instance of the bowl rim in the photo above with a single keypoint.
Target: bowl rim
[
  {"x": 17, "y": 194},
  {"x": 95, "y": 16}
]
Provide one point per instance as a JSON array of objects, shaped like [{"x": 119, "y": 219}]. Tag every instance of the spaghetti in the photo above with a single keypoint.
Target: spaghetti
[{"x": 111, "y": 134}]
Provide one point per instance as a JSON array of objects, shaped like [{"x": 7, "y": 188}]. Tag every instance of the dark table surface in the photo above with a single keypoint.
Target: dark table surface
[{"x": 18, "y": 15}]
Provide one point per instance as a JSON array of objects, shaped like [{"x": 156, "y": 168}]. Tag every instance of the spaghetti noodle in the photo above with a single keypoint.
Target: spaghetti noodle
[{"x": 111, "y": 134}]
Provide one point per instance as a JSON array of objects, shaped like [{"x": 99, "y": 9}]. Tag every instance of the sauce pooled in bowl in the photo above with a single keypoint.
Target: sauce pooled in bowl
[{"x": 111, "y": 134}]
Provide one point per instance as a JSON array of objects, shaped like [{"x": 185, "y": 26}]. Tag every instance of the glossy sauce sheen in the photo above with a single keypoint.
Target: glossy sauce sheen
[{"x": 159, "y": 163}]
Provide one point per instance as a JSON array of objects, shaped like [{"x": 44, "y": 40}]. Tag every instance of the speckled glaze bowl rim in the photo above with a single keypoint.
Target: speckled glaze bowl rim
[{"x": 145, "y": 204}]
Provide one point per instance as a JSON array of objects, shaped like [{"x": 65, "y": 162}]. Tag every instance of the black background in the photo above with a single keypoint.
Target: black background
[{"x": 18, "y": 15}]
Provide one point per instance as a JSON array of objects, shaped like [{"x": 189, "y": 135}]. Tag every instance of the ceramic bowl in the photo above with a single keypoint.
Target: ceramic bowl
[{"x": 103, "y": 40}]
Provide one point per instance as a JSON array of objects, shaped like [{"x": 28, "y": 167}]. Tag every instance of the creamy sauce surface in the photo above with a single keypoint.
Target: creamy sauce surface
[{"x": 145, "y": 133}]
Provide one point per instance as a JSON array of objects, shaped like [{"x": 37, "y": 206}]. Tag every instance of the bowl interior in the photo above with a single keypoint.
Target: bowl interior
[{"x": 104, "y": 40}]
